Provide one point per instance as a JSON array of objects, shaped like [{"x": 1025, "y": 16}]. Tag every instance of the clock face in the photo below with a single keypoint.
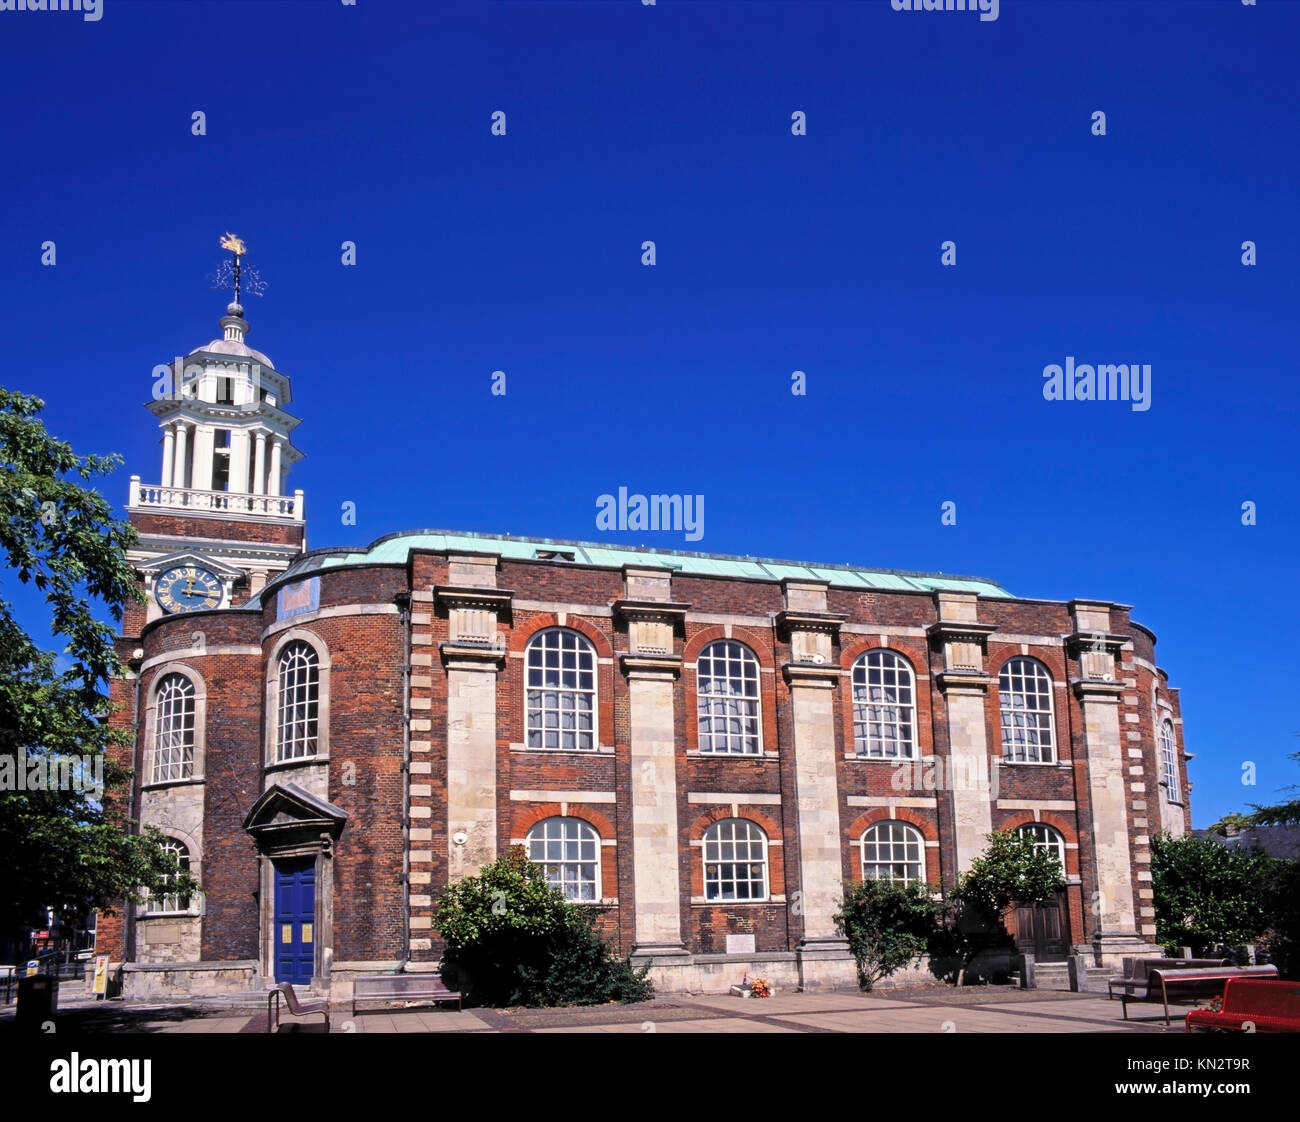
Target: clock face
[{"x": 187, "y": 588}]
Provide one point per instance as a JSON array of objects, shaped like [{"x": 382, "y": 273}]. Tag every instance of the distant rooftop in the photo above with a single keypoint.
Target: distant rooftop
[{"x": 395, "y": 548}]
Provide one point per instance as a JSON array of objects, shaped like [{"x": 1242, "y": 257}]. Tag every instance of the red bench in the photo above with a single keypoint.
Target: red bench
[{"x": 1268, "y": 1006}]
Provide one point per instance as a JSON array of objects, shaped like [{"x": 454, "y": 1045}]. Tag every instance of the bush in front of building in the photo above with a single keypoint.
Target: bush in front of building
[
  {"x": 1208, "y": 895},
  {"x": 888, "y": 924},
  {"x": 513, "y": 939}
]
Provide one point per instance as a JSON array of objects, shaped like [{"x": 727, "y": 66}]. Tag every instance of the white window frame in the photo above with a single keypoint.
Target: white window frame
[
  {"x": 1169, "y": 761},
  {"x": 175, "y": 701},
  {"x": 166, "y": 903},
  {"x": 554, "y": 836},
  {"x": 889, "y": 837},
  {"x": 1045, "y": 837},
  {"x": 304, "y": 729},
  {"x": 1013, "y": 704},
  {"x": 733, "y": 698},
  {"x": 717, "y": 838},
  {"x": 565, "y": 695},
  {"x": 886, "y": 712}
]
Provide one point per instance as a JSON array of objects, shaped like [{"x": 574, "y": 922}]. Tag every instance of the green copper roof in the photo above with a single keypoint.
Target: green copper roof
[{"x": 397, "y": 547}]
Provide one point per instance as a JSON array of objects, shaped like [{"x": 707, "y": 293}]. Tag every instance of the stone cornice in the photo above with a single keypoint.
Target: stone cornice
[
  {"x": 1097, "y": 689},
  {"x": 958, "y": 681},
  {"x": 1086, "y": 640},
  {"x": 668, "y": 611},
  {"x": 650, "y": 665},
  {"x": 462, "y": 654},
  {"x": 473, "y": 596},
  {"x": 826, "y": 622},
  {"x": 949, "y": 629},
  {"x": 816, "y": 674}
]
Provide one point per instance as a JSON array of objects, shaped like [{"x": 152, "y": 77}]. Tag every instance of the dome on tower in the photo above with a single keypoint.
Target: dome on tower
[
  {"x": 232, "y": 342},
  {"x": 235, "y": 347}
]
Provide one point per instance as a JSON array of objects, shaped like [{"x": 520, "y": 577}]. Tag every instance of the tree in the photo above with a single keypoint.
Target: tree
[
  {"x": 1209, "y": 895},
  {"x": 1281, "y": 814},
  {"x": 62, "y": 846},
  {"x": 1013, "y": 870},
  {"x": 887, "y": 924},
  {"x": 1231, "y": 824},
  {"x": 522, "y": 943}
]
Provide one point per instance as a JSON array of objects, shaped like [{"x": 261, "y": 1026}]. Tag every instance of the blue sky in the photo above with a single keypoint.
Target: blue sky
[{"x": 775, "y": 253}]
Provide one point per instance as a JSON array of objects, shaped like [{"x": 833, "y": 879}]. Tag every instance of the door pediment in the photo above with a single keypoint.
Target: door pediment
[{"x": 286, "y": 820}]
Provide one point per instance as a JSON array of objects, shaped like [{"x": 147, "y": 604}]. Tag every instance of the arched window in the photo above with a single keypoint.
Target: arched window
[
  {"x": 884, "y": 706},
  {"x": 893, "y": 851},
  {"x": 1045, "y": 838},
  {"x": 1169, "y": 762},
  {"x": 173, "y": 743},
  {"x": 1025, "y": 692},
  {"x": 727, "y": 687},
  {"x": 735, "y": 861},
  {"x": 569, "y": 850},
  {"x": 561, "y": 691},
  {"x": 298, "y": 705},
  {"x": 164, "y": 901}
]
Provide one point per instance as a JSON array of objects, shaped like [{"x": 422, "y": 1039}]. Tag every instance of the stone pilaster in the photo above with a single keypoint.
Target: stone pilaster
[
  {"x": 472, "y": 655},
  {"x": 825, "y": 961},
  {"x": 1116, "y": 928},
  {"x": 652, "y": 668},
  {"x": 964, "y": 683}
]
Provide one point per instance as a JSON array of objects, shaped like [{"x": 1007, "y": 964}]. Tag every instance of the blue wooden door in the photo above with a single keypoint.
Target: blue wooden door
[{"x": 295, "y": 920}]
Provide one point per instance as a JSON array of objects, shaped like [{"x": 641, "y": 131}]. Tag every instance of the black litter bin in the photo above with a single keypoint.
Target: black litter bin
[{"x": 38, "y": 1000}]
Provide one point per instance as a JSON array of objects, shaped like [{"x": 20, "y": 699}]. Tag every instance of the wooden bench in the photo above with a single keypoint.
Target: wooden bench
[
  {"x": 1165, "y": 986},
  {"x": 284, "y": 990},
  {"x": 402, "y": 987},
  {"x": 1269, "y": 1006},
  {"x": 1135, "y": 975}
]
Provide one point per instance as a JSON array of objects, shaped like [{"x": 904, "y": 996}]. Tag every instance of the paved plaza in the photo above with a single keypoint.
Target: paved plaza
[{"x": 986, "y": 1009}]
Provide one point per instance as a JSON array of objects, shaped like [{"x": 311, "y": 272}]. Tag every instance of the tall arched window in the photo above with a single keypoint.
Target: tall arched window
[
  {"x": 884, "y": 706},
  {"x": 727, "y": 689},
  {"x": 298, "y": 704},
  {"x": 164, "y": 901},
  {"x": 569, "y": 850},
  {"x": 1045, "y": 838},
  {"x": 173, "y": 743},
  {"x": 1169, "y": 762},
  {"x": 893, "y": 851},
  {"x": 1025, "y": 694},
  {"x": 561, "y": 668},
  {"x": 735, "y": 861}
]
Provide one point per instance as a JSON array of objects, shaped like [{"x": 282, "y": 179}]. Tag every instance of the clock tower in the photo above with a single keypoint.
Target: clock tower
[{"x": 220, "y": 522}]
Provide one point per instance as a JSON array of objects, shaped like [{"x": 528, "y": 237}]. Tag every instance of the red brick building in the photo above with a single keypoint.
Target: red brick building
[{"x": 708, "y": 746}]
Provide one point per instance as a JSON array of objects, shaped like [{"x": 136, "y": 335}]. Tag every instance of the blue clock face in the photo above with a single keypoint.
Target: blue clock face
[{"x": 187, "y": 588}]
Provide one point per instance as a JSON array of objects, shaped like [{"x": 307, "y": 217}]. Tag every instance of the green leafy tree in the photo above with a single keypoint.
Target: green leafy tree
[
  {"x": 62, "y": 848},
  {"x": 1231, "y": 824},
  {"x": 887, "y": 924},
  {"x": 1209, "y": 895},
  {"x": 1280, "y": 814},
  {"x": 1012, "y": 871},
  {"x": 520, "y": 942}
]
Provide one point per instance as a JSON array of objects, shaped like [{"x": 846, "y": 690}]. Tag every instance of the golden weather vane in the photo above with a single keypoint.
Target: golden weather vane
[{"x": 233, "y": 274}]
